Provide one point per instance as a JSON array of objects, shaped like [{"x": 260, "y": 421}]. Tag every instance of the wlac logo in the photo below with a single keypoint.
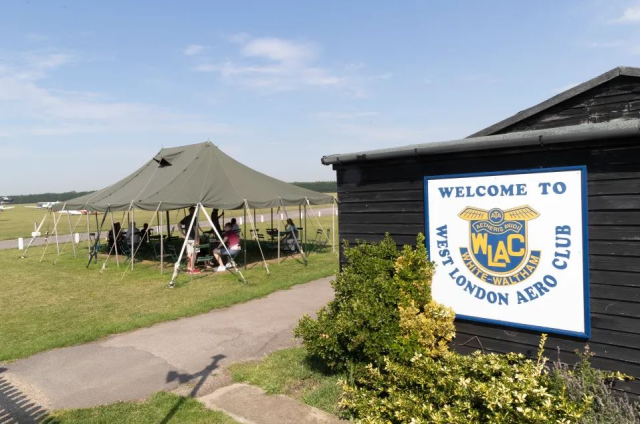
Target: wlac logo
[{"x": 499, "y": 244}]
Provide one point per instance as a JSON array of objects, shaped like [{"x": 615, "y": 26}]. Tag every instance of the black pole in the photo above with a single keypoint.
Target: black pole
[
  {"x": 244, "y": 224},
  {"x": 168, "y": 227},
  {"x": 305, "y": 227},
  {"x": 94, "y": 254}
]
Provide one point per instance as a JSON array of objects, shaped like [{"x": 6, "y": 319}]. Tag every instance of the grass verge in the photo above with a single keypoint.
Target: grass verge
[
  {"x": 292, "y": 373},
  {"x": 45, "y": 306},
  {"x": 159, "y": 408}
]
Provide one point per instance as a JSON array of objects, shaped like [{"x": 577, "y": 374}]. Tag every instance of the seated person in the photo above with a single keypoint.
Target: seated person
[
  {"x": 136, "y": 235},
  {"x": 232, "y": 241},
  {"x": 288, "y": 240},
  {"x": 111, "y": 238},
  {"x": 145, "y": 233},
  {"x": 234, "y": 226}
]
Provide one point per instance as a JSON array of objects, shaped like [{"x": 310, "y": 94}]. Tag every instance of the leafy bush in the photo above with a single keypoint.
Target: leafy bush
[
  {"x": 385, "y": 329},
  {"x": 455, "y": 388},
  {"x": 382, "y": 307},
  {"x": 583, "y": 380}
]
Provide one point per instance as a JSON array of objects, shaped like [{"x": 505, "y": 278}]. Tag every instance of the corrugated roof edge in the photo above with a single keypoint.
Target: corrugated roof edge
[
  {"x": 607, "y": 130},
  {"x": 559, "y": 98}
]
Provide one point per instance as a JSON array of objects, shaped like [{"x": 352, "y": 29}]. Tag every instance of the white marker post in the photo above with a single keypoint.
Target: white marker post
[{"x": 20, "y": 243}]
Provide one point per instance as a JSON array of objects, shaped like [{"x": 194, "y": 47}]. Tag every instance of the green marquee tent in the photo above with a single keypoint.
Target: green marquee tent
[{"x": 179, "y": 177}]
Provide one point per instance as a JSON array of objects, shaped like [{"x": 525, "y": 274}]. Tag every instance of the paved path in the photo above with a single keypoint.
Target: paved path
[
  {"x": 251, "y": 405},
  {"x": 134, "y": 365}
]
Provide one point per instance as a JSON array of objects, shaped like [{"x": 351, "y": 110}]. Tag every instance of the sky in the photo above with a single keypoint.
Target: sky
[{"x": 89, "y": 90}]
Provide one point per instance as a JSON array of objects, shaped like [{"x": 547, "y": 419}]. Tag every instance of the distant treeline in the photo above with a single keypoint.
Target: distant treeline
[
  {"x": 48, "y": 197},
  {"x": 321, "y": 186}
]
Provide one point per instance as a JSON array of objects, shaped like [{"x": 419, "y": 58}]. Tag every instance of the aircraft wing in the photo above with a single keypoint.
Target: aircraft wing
[
  {"x": 525, "y": 212},
  {"x": 470, "y": 213}
]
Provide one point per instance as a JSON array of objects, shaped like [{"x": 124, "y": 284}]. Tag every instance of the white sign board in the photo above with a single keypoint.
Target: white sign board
[{"x": 511, "y": 248}]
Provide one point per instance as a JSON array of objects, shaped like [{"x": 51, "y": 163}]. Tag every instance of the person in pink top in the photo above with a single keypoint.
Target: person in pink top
[{"x": 232, "y": 241}]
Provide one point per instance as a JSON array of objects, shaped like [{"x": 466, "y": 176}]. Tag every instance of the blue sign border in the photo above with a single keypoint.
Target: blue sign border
[{"x": 585, "y": 246}]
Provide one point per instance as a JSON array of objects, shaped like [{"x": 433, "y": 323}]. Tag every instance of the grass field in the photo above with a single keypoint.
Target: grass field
[
  {"x": 19, "y": 222},
  {"x": 290, "y": 372},
  {"x": 45, "y": 306},
  {"x": 160, "y": 408}
]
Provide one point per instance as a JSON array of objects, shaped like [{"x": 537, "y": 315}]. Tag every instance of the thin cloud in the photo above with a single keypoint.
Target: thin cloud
[
  {"x": 629, "y": 15},
  {"x": 31, "y": 109},
  {"x": 328, "y": 115},
  {"x": 271, "y": 64},
  {"x": 558, "y": 90},
  {"x": 194, "y": 49},
  {"x": 605, "y": 45}
]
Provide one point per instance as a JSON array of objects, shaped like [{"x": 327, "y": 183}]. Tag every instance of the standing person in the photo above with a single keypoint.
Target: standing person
[
  {"x": 234, "y": 226},
  {"x": 192, "y": 239},
  {"x": 215, "y": 218}
]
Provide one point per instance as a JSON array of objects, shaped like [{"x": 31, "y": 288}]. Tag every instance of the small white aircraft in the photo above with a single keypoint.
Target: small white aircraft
[
  {"x": 43, "y": 205},
  {"x": 5, "y": 208}
]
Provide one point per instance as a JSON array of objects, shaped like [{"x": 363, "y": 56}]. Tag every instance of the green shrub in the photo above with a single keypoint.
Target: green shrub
[
  {"x": 386, "y": 330},
  {"x": 453, "y": 388},
  {"x": 363, "y": 323}
]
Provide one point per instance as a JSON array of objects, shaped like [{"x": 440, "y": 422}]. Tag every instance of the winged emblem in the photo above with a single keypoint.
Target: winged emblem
[{"x": 522, "y": 213}]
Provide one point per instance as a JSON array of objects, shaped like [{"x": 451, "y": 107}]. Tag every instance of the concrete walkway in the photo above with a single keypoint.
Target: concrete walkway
[
  {"x": 134, "y": 365},
  {"x": 251, "y": 405}
]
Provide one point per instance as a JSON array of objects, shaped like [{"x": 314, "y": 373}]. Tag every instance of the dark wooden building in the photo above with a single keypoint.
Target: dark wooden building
[{"x": 596, "y": 124}]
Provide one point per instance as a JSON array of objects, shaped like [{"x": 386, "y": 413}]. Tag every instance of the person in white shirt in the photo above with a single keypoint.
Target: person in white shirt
[{"x": 136, "y": 235}]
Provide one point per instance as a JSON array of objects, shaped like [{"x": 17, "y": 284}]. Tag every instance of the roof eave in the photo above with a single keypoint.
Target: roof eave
[
  {"x": 585, "y": 132},
  {"x": 559, "y": 98}
]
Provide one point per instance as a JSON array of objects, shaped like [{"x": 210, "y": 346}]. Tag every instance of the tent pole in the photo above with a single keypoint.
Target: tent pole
[
  {"x": 244, "y": 230},
  {"x": 46, "y": 246},
  {"x": 271, "y": 219},
  {"x": 24, "y": 255},
  {"x": 278, "y": 212},
  {"x": 135, "y": 251},
  {"x": 255, "y": 236},
  {"x": 161, "y": 245},
  {"x": 333, "y": 225},
  {"x": 133, "y": 230},
  {"x": 94, "y": 254},
  {"x": 55, "y": 227},
  {"x": 176, "y": 267},
  {"x": 306, "y": 229},
  {"x": 115, "y": 244},
  {"x": 315, "y": 215},
  {"x": 69, "y": 239},
  {"x": 73, "y": 244},
  {"x": 97, "y": 235},
  {"x": 225, "y": 247},
  {"x": 295, "y": 238},
  {"x": 168, "y": 226},
  {"x": 89, "y": 234},
  {"x": 115, "y": 238}
]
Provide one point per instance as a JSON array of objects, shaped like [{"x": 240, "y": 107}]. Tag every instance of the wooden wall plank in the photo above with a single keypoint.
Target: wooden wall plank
[{"x": 387, "y": 196}]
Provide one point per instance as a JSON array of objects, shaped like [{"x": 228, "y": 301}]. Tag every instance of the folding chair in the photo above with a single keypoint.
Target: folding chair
[{"x": 321, "y": 240}]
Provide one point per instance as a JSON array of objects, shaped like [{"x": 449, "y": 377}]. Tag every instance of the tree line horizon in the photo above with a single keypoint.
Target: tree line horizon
[{"x": 320, "y": 186}]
